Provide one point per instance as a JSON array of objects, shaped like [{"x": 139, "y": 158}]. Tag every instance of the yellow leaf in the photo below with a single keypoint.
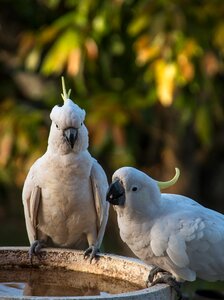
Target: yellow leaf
[
  {"x": 57, "y": 56},
  {"x": 146, "y": 49},
  {"x": 33, "y": 59},
  {"x": 147, "y": 53},
  {"x": 165, "y": 75}
]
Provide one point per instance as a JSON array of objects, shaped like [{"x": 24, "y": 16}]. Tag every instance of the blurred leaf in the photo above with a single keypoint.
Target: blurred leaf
[
  {"x": 74, "y": 62},
  {"x": 186, "y": 69},
  {"x": 146, "y": 49},
  {"x": 165, "y": 78},
  {"x": 50, "y": 33},
  {"x": 91, "y": 49},
  {"x": 138, "y": 24},
  {"x": 57, "y": 56},
  {"x": 99, "y": 24},
  {"x": 33, "y": 59}
]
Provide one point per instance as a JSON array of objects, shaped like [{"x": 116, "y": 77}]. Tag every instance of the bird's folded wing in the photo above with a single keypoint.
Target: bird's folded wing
[
  {"x": 174, "y": 234},
  {"x": 99, "y": 187},
  {"x": 34, "y": 205},
  {"x": 31, "y": 200}
]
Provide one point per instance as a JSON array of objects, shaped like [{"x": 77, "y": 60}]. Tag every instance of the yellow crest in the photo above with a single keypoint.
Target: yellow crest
[
  {"x": 64, "y": 95},
  {"x": 166, "y": 184}
]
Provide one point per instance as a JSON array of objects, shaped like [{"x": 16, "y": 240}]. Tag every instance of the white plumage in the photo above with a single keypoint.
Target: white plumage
[
  {"x": 170, "y": 231},
  {"x": 64, "y": 194}
]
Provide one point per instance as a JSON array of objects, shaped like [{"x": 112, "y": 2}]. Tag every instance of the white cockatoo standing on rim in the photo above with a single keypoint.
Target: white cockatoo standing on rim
[
  {"x": 172, "y": 232},
  {"x": 64, "y": 194}
]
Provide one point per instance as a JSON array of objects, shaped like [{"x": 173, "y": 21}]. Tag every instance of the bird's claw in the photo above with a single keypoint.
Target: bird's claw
[
  {"x": 35, "y": 248},
  {"x": 167, "y": 278},
  {"x": 91, "y": 253},
  {"x": 154, "y": 271}
]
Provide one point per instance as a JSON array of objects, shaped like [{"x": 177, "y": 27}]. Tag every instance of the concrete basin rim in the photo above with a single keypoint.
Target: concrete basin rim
[{"x": 129, "y": 295}]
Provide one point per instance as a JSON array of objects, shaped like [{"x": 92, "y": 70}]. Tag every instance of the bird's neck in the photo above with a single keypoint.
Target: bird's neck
[
  {"x": 74, "y": 160},
  {"x": 64, "y": 149},
  {"x": 139, "y": 213}
]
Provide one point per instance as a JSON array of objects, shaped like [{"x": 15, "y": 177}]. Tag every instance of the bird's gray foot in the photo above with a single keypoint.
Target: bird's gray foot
[
  {"x": 35, "y": 248},
  {"x": 91, "y": 252},
  {"x": 167, "y": 278},
  {"x": 154, "y": 271}
]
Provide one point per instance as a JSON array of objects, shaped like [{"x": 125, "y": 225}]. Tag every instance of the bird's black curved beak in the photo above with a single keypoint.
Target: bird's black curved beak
[
  {"x": 116, "y": 193},
  {"x": 71, "y": 135}
]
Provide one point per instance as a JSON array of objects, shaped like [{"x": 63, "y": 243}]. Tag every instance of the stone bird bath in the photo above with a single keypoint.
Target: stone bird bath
[{"x": 65, "y": 274}]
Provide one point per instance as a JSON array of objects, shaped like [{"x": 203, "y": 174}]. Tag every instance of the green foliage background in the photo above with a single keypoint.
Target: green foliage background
[{"x": 148, "y": 73}]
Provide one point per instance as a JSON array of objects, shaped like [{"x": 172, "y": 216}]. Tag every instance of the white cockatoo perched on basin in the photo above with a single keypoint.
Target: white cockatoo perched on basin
[
  {"x": 64, "y": 194},
  {"x": 172, "y": 232}
]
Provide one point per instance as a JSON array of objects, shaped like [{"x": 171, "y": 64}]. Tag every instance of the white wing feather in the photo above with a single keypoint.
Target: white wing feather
[
  {"x": 99, "y": 187},
  {"x": 192, "y": 237},
  {"x": 31, "y": 199}
]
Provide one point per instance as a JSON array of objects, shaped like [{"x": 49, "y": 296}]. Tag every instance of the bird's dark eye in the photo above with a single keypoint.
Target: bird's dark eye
[
  {"x": 134, "y": 189},
  {"x": 57, "y": 125},
  {"x": 81, "y": 124}
]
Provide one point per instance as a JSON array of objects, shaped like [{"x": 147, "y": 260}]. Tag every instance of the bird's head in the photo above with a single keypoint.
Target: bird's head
[
  {"x": 134, "y": 190},
  {"x": 68, "y": 132}
]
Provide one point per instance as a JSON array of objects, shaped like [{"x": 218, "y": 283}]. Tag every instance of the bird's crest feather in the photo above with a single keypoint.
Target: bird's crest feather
[
  {"x": 166, "y": 184},
  {"x": 65, "y": 95}
]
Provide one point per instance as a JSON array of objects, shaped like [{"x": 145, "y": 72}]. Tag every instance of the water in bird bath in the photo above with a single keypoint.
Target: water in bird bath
[{"x": 59, "y": 282}]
